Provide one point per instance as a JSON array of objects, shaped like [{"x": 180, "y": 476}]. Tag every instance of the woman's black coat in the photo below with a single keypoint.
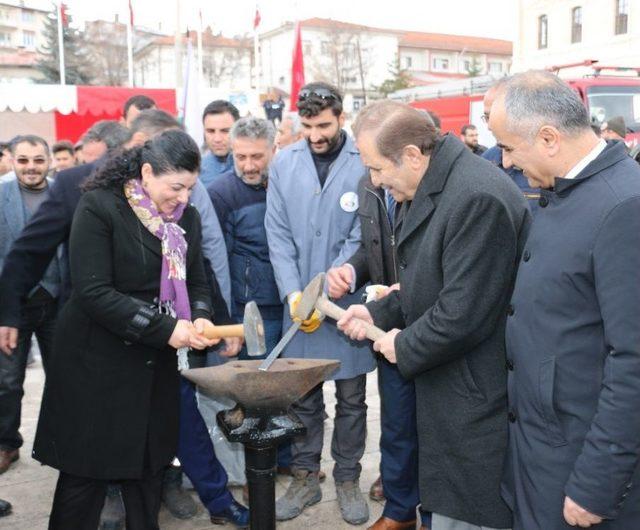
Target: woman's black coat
[{"x": 110, "y": 405}]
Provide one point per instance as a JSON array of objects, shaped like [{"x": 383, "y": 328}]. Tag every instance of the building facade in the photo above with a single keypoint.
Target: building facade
[
  {"x": 226, "y": 62},
  {"x": 357, "y": 59},
  {"x": 21, "y": 25},
  {"x": 562, "y": 32}
]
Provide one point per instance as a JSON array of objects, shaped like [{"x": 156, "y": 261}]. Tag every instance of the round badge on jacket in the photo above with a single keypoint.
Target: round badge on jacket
[{"x": 349, "y": 201}]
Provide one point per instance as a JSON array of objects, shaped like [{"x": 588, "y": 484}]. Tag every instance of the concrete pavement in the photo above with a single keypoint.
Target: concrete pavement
[{"x": 29, "y": 486}]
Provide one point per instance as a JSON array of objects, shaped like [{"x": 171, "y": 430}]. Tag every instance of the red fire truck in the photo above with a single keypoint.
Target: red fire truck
[{"x": 460, "y": 102}]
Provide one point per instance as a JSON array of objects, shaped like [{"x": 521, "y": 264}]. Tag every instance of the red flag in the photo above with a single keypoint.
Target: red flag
[
  {"x": 63, "y": 15},
  {"x": 297, "y": 68},
  {"x": 257, "y": 19},
  {"x": 130, "y": 13}
]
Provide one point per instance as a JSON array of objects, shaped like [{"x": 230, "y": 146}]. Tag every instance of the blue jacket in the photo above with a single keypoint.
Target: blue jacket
[
  {"x": 573, "y": 352},
  {"x": 494, "y": 155},
  {"x": 241, "y": 209},
  {"x": 311, "y": 229},
  {"x": 211, "y": 168}
]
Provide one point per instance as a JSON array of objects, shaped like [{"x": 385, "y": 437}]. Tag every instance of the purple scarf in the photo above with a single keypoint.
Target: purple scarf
[{"x": 174, "y": 298}]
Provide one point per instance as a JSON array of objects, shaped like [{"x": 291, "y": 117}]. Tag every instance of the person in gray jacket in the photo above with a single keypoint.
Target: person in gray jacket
[
  {"x": 573, "y": 332},
  {"x": 463, "y": 227}
]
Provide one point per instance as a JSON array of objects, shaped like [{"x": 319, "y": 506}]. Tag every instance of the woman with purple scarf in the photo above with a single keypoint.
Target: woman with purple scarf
[{"x": 140, "y": 301}]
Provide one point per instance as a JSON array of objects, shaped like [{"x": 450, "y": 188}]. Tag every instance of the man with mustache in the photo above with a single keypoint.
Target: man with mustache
[
  {"x": 239, "y": 197},
  {"x": 20, "y": 197}
]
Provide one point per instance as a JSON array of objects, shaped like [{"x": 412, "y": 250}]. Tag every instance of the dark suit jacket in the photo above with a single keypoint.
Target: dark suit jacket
[
  {"x": 375, "y": 259},
  {"x": 49, "y": 227},
  {"x": 112, "y": 393},
  {"x": 457, "y": 253}
]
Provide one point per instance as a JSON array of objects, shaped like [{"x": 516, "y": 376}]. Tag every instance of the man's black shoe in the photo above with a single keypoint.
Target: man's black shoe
[
  {"x": 178, "y": 502},
  {"x": 5, "y": 508},
  {"x": 235, "y": 514}
]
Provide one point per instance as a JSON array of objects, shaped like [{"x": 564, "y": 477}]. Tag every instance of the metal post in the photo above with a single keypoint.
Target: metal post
[
  {"x": 260, "y": 465},
  {"x": 63, "y": 76}
]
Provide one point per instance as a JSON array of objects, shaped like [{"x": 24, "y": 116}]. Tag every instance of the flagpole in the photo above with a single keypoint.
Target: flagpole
[
  {"x": 63, "y": 80},
  {"x": 177, "y": 50},
  {"x": 256, "y": 51},
  {"x": 200, "y": 58},
  {"x": 130, "y": 44}
]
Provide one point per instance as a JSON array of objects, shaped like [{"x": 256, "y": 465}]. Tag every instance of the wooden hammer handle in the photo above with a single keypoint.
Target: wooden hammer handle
[
  {"x": 324, "y": 305},
  {"x": 219, "y": 332}
]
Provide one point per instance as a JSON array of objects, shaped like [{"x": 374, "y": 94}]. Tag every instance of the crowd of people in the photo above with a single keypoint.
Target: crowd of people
[{"x": 505, "y": 280}]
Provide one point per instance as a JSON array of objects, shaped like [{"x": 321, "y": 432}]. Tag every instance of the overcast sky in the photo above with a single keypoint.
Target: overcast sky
[{"x": 484, "y": 18}]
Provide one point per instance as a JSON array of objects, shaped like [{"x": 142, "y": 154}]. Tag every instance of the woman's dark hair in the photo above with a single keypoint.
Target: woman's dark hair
[{"x": 172, "y": 150}]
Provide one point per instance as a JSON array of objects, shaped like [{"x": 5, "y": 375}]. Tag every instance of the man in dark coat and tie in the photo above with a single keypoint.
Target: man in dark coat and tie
[
  {"x": 573, "y": 332},
  {"x": 464, "y": 224}
]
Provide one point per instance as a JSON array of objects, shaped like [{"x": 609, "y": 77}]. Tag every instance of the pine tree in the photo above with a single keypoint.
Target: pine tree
[
  {"x": 399, "y": 79},
  {"x": 76, "y": 65}
]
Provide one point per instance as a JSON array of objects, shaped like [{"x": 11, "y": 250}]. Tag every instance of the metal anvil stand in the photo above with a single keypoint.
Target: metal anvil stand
[{"x": 261, "y": 435}]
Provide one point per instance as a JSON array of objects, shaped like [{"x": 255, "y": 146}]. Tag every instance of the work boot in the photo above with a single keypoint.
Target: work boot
[
  {"x": 178, "y": 502},
  {"x": 112, "y": 515},
  {"x": 353, "y": 507},
  {"x": 303, "y": 491}
]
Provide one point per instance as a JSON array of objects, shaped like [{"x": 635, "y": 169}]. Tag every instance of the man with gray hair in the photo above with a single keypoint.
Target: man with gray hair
[
  {"x": 573, "y": 332},
  {"x": 102, "y": 137},
  {"x": 463, "y": 227},
  {"x": 239, "y": 197},
  {"x": 289, "y": 130}
]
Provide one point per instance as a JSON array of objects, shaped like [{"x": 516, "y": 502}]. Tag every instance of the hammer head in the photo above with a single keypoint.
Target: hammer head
[
  {"x": 310, "y": 295},
  {"x": 253, "y": 330}
]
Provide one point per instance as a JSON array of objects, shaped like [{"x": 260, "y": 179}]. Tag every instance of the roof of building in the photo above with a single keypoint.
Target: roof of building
[
  {"x": 412, "y": 39},
  {"x": 208, "y": 40},
  {"x": 440, "y": 41}
]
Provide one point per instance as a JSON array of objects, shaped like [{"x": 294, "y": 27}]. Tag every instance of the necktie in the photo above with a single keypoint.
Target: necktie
[{"x": 391, "y": 207}]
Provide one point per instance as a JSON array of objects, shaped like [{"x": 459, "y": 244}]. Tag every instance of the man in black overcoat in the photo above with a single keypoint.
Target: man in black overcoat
[{"x": 464, "y": 225}]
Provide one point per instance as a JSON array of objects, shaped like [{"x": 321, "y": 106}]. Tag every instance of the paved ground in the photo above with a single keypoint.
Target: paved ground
[{"x": 29, "y": 486}]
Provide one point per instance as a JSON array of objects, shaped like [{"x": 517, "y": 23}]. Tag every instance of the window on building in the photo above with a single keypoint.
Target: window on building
[
  {"x": 495, "y": 67},
  {"x": 28, "y": 39},
  {"x": 325, "y": 47},
  {"x": 27, "y": 16},
  {"x": 5, "y": 14},
  {"x": 5, "y": 38},
  {"x": 576, "y": 24},
  {"x": 408, "y": 62},
  {"x": 543, "y": 32},
  {"x": 622, "y": 16},
  {"x": 306, "y": 47},
  {"x": 440, "y": 63}
]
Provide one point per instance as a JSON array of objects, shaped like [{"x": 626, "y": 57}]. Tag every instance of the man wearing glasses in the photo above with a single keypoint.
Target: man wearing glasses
[
  {"x": 19, "y": 198},
  {"x": 312, "y": 225}
]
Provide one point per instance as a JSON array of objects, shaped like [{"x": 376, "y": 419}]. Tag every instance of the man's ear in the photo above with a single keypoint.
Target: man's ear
[
  {"x": 341, "y": 119},
  {"x": 549, "y": 137},
  {"x": 413, "y": 156}
]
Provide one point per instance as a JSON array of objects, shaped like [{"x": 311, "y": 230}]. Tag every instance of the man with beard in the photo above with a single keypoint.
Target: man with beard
[
  {"x": 217, "y": 119},
  {"x": 312, "y": 225},
  {"x": 469, "y": 135},
  {"x": 239, "y": 198},
  {"x": 21, "y": 197}
]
